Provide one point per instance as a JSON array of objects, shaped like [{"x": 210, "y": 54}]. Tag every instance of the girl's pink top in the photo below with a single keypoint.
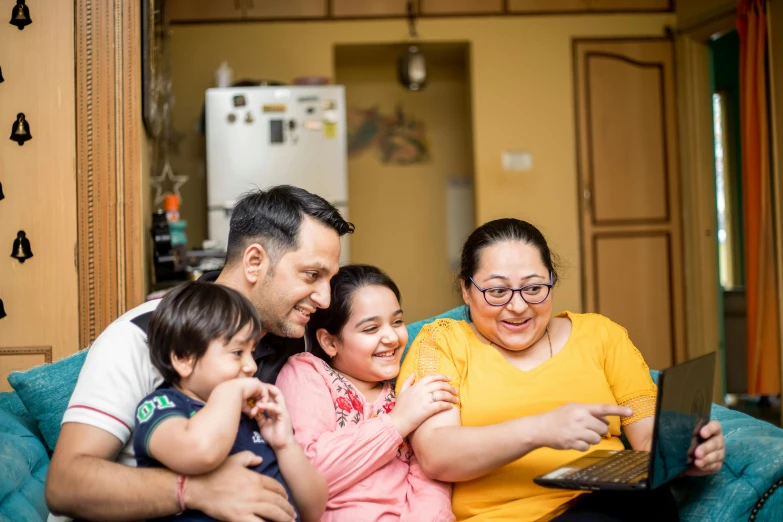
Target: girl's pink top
[{"x": 371, "y": 471}]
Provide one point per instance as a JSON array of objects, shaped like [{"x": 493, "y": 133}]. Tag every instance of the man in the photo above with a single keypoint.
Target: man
[{"x": 283, "y": 248}]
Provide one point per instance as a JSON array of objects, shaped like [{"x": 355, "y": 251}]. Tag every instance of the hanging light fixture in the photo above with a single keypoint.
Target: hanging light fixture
[{"x": 412, "y": 67}]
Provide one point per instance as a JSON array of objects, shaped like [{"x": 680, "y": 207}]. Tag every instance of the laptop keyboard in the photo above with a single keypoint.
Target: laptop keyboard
[{"x": 618, "y": 468}]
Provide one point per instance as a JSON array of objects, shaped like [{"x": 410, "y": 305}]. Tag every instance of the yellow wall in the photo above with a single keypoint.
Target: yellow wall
[
  {"x": 394, "y": 205},
  {"x": 521, "y": 97},
  {"x": 39, "y": 182}
]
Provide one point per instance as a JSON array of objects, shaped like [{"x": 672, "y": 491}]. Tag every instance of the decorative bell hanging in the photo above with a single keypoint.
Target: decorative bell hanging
[
  {"x": 1, "y": 75},
  {"x": 2, "y": 196},
  {"x": 2, "y": 309},
  {"x": 20, "y": 130},
  {"x": 21, "y": 250},
  {"x": 20, "y": 15}
]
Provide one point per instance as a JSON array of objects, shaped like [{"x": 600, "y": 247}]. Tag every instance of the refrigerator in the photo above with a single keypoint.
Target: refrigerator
[{"x": 258, "y": 137}]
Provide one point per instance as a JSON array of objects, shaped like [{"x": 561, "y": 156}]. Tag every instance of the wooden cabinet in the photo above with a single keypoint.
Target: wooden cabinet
[
  {"x": 629, "y": 5},
  {"x": 204, "y": 10},
  {"x": 237, "y": 10},
  {"x": 584, "y": 6},
  {"x": 183, "y": 11},
  {"x": 547, "y": 6},
  {"x": 452, "y": 7},
  {"x": 365, "y": 9},
  {"x": 285, "y": 9}
]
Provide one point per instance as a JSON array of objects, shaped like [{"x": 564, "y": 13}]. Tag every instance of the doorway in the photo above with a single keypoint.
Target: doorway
[{"x": 410, "y": 168}]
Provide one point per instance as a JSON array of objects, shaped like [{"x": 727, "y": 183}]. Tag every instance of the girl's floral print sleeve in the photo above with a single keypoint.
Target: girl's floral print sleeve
[{"x": 343, "y": 445}]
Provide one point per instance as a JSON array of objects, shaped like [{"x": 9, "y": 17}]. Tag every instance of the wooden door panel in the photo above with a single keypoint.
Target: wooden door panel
[
  {"x": 630, "y": 218},
  {"x": 632, "y": 287},
  {"x": 627, "y": 164}
]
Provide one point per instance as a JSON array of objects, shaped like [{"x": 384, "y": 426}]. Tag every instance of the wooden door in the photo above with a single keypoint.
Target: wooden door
[
  {"x": 632, "y": 261},
  {"x": 204, "y": 10}
]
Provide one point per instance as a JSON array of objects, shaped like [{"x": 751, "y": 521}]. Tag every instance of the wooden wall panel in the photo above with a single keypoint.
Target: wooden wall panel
[
  {"x": 21, "y": 358},
  {"x": 40, "y": 296},
  {"x": 109, "y": 137}
]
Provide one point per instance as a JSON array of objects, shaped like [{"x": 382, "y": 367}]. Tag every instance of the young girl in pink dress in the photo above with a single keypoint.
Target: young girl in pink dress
[{"x": 345, "y": 413}]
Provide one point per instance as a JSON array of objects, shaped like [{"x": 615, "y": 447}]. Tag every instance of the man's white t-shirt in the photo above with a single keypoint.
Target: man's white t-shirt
[{"x": 116, "y": 376}]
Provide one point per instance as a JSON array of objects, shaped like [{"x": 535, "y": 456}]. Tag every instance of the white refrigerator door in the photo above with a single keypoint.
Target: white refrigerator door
[{"x": 263, "y": 136}]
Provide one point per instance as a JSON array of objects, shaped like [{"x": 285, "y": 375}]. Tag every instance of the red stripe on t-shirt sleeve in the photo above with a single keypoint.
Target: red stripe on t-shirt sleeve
[{"x": 102, "y": 412}]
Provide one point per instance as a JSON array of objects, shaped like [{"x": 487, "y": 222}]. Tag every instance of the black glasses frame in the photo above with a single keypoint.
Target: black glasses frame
[{"x": 514, "y": 290}]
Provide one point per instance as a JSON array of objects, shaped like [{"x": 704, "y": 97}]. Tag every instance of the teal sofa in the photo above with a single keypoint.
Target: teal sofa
[{"x": 749, "y": 487}]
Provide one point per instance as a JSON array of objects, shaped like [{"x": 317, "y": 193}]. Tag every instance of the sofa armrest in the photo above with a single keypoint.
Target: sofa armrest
[{"x": 753, "y": 464}]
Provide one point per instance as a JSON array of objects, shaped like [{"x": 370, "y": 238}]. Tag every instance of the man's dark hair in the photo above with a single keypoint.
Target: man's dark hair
[
  {"x": 273, "y": 217},
  {"x": 193, "y": 315}
]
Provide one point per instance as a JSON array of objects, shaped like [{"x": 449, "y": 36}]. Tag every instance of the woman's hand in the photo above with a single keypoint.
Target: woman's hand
[
  {"x": 708, "y": 456},
  {"x": 577, "y": 426},
  {"x": 418, "y": 402}
]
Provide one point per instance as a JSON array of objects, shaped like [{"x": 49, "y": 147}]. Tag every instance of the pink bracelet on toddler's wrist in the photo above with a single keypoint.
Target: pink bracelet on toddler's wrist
[{"x": 182, "y": 482}]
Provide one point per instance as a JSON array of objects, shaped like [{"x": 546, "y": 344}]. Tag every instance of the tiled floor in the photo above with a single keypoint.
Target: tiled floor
[{"x": 768, "y": 410}]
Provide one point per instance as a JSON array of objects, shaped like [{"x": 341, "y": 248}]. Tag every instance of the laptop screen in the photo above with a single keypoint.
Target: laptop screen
[{"x": 684, "y": 405}]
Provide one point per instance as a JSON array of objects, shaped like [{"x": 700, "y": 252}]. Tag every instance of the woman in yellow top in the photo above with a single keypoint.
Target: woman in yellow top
[{"x": 534, "y": 391}]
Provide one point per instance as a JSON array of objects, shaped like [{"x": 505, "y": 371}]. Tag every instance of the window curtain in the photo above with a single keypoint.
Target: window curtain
[{"x": 762, "y": 328}]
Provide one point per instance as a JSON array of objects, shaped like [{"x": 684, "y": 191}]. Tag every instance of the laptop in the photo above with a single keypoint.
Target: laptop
[{"x": 681, "y": 410}]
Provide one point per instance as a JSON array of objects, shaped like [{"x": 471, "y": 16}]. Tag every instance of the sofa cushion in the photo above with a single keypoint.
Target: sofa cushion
[
  {"x": 23, "y": 470},
  {"x": 10, "y": 402},
  {"x": 45, "y": 391}
]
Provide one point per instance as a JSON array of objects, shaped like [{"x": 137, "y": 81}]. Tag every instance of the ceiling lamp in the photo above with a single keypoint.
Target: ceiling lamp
[{"x": 412, "y": 67}]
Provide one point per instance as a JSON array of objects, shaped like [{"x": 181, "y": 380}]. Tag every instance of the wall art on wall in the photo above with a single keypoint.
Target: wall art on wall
[
  {"x": 2, "y": 196},
  {"x": 2, "y": 309},
  {"x": 20, "y": 15},
  {"x": 20, "y": 130},
  {"x": 399, "y": 138},
  {"x": 21, "y": 250},
  {"x": 1, "y": 75}
]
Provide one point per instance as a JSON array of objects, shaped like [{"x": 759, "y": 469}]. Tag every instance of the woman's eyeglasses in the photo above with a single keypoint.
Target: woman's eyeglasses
[{"x": 501, "y": 295}]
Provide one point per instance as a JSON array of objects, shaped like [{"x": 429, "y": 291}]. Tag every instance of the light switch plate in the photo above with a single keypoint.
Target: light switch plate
[{"x": 517, "y": 160}]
